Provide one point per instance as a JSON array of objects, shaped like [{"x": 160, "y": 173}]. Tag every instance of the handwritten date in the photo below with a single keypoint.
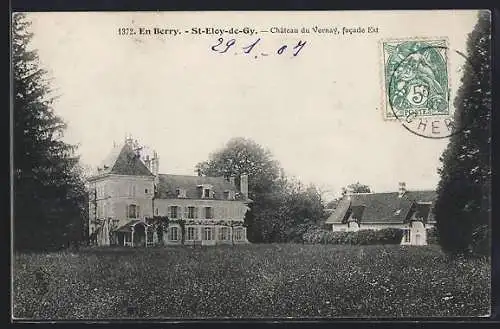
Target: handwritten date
[{"x": 223, "y": 47}]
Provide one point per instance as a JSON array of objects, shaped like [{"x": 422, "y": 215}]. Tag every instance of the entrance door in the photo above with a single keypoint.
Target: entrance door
[
  {"x": 417, "y": 239},
  {"x": 139, "y": 236}
]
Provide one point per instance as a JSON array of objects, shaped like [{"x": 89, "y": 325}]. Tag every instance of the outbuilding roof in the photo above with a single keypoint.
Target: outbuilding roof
[{"x": 383, "y": 208}]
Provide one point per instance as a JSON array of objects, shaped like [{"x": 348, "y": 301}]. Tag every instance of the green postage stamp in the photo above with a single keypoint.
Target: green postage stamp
[{"x": 415, "y": 78}]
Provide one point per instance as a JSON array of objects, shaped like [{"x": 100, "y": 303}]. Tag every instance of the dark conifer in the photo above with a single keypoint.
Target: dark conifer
[
  {"x": 463, "y": 205},
  {"x": 49, "y": 194}
]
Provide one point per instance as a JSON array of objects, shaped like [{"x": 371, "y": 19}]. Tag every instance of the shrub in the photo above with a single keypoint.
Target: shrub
[
  {"x": 366, "y": 237},
  {"x": 362, "y": 237},
  {"x": 390, "y": 235},
  {"x": 481, "y": 240}
]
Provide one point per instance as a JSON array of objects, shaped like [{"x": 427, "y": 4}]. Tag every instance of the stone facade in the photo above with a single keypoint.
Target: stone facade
[{"x": 127, "y": 193}]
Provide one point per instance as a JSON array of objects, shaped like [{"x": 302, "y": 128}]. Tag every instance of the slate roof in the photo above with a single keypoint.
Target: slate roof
[
  {"x": 122, "y": 160},
  {"x": 422, "y": 210},
  {"x": 421, "y": 196},
  {"x": 339, "y": 213},
  {"x": 357, "y": 212},
  {"x": 168, "y": 184},
  {"x": 382, "y": 208}
]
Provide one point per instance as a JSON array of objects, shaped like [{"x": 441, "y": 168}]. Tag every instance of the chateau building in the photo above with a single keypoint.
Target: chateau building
[
  {"x": 129, "y": 198},
  {"x": 407, "y": 210}
]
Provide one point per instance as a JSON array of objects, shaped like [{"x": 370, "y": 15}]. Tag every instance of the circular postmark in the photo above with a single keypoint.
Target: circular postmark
[{"x": 418, "y": 89}]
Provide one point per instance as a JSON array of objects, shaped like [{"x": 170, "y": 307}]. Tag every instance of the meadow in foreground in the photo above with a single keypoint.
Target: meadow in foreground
[{"x": 249, "y": 281}]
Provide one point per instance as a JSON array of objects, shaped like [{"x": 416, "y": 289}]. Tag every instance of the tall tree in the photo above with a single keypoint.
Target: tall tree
[
  {"x": 280, "y": 205},
  {"x": 49, "y": 194},
  {"x": 245, "y": 156},
  {"x": 462, "y": 207}
]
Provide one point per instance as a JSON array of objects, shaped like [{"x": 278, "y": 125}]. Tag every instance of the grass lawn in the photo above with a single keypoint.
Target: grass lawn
[{"x": 249, "y": 281}]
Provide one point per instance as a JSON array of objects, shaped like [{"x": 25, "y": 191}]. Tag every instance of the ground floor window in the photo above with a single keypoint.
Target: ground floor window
[
  {"x": 191, "y": 233},
  {"x": 238, "y": 234},
  {"x": 208, "y": 233},
  {"x": 224, "y": 233},
  {"x": 406, "y": 237},
  {"x": 173, "y": 234},
  {"x": 149, "y": 236}
]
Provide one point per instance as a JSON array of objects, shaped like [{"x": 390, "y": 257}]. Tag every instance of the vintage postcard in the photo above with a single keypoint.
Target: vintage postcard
[{"x": 251, "y": 165}]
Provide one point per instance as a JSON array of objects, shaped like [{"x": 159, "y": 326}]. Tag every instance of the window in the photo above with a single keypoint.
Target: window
[
  {"x": 132, "y": 211},
  {"x": 191, "y": 212},
  {"x": 407, "y": 236},
  {"x": 156, "y": 211},
  {"x": 206, "y": 193},
  {"x": 238, "y": 234},
  {"x": 181, "y": 193},
  {"x": 224, "y": 233},
  {"x": 207, "y": 233},
  {"x": 209, "y": 214},
  {"x": 146, "y": 191},
  {"x": 173, "y": 234},
  {"x": 173, "y": 212},
  {"x": 191, "y": 233},
  {"x": 226, "y": 195}
]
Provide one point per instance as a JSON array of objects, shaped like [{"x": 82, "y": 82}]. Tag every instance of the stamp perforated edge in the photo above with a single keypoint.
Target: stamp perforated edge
[{"x": 385, "y": 106}]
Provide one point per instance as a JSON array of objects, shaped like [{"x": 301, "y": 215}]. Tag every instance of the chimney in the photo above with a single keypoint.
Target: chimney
[
  {"x": 244, "y": 184},
  {"x": 147, "y": 162},
  {"x": 155, "y": 164},
  {"x": 232, "y": 180},
  {"x": 402, "y": 189}
]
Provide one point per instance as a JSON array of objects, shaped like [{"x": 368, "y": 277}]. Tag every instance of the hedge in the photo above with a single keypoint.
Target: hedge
[{"x": 361, "y": 237}]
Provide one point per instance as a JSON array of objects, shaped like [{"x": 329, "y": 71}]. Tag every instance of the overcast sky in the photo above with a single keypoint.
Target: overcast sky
[{"x": 319, "y": 113}]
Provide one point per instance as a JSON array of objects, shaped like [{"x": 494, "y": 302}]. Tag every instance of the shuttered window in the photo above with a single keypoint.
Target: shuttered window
[
  {"x": 173, "y": 211},
  {"x": 209, "y": 214},
  {"x": 132, "y": 211},
  {"x": 173, "y": 233}
]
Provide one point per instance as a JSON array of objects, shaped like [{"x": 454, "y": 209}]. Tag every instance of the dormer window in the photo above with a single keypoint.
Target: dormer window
[
  {"x": 205, "y": 191},
  {"x": 181, "y": 193},
  {"x": 228, "y": 195}
]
